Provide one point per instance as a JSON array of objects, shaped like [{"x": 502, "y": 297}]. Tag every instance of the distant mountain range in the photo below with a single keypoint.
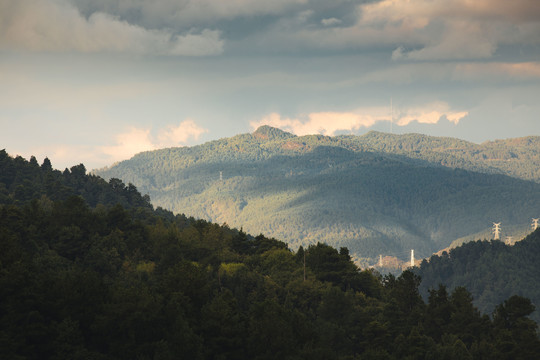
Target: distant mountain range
[{"x": 375, "y": 194}]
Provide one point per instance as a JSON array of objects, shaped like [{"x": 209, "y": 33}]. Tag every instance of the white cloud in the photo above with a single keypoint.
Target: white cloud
[
  {"x": 137, "y": 140},
  {"x": 54, "y": 25},
  {"x": 329, "y": 123},
  {"x": 129, "y": 143},
  {"x": 177, "y": 135},
  {"x": 126, "y": 144},
  {"x": 429, "y": 114}
]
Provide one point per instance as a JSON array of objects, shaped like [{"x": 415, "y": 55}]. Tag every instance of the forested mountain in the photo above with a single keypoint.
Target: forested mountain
[
  {"x": 490, "y": 270},
  {"x": 104, "y": 281},
  {"x": 22, "y": 181},
  {"x": 375, "y": 194}
]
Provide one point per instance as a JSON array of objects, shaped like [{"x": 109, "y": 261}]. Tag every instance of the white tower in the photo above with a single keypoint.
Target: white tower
[
  {"x": 412, "y": 257},
  {"x": 497, "y": 231},
  {"x": 221, "y": 176},
  {"x": 535, "y": 223},
  {"x": 380, "y": 260}
]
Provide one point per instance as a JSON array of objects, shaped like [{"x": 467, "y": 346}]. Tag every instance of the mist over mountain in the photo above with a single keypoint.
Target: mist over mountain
[{"x": 375, "y": 194}]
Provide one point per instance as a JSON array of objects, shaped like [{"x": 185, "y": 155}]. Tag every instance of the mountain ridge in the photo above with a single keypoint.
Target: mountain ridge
[{"x": 374, "y": 193}]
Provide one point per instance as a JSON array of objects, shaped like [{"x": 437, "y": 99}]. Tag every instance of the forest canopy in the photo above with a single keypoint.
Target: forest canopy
[{"x": 86, "y": 278}]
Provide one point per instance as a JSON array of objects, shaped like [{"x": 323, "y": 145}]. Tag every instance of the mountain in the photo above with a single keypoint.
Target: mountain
[
  {"x": 375, "y": 194},
  {"x": 23, "y": 181},
  {"x": 113, "y": 282},
  {"x": 490, "y": 270}
]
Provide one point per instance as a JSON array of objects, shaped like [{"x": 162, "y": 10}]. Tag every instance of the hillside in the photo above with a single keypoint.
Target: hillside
[
  {"x": 106, "y": 282},
  {"x": 23, "y": 181},
  {"x": 491, "y": 270},
  {"x": 376, "y": 194}
]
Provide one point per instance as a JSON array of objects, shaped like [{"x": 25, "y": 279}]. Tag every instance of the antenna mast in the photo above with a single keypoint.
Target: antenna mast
[{"x": 391, "y": 117}]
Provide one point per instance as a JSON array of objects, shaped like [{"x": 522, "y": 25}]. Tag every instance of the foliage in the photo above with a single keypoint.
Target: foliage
[
  {"x": 490, "y": 270},
  {"x": 106, "y": 282},
  {"x": 374, "y": 194}
]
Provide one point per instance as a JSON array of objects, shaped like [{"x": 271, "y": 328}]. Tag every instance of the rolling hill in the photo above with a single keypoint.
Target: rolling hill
[
  {"x": 490, "y": 270},
  {"x": 375, "y": 194}
]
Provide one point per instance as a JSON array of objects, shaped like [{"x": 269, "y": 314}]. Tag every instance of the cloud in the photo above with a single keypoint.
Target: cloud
[
  {"x": 134, "y": 140},
  {"x": 497, "y": 71},
  {"x": 454, "y": 29},
  {"x": 175, "y": 135},
  {"x": 329, "y": 123},
  {"x": 413, "y": 29},
  {"x": 181, "y": 13},
  {"x": 129, "y": 143},
  {"x": 57, "y": 26},
  {"x": 331, "y": 21},
  {"x": 137, "y": 140},
  {"x": 429, "y": 114},
  {"x": 423, "y": 29}
]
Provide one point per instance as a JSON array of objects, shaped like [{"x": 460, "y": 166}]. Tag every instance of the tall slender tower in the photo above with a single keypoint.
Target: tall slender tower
[
  {"x": 497, "y": 231},
  {"x": 391, "y": 117},
  {"x": 380, "y": 260},
  {"x": 412, "y": 257}
]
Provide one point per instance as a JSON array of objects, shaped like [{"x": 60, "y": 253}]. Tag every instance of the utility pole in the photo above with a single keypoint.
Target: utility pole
[{"x": 497, "y": 231}]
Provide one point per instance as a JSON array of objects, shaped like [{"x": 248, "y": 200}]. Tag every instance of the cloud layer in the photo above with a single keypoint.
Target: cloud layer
[
  {"x": 330, "y": 123},
  {"x": 58, "y": 26},
  {"x": 409, "y": 30},
  {"x": 136, "y": 140},
  {"x": 126, "y": 144}
]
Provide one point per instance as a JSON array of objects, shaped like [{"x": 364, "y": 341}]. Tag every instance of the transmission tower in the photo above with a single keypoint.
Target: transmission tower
[
  {"x": 509, "y": 240},
  {"x": 412, "y": 258},
  {"x": 535, "y": 223},
  {"x": 497, "y": 231},
  {"x": 221, "y": 176}
]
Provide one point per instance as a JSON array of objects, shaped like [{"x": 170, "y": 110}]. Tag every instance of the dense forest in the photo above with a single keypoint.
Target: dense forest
[
  {"x": 83, "y": 277},
  {"x": 491, "y": 270},
  {"x": 375, "y": 194}
]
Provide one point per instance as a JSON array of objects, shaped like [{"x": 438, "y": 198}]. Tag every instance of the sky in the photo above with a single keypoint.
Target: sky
[{"x": 97, "y": 81}]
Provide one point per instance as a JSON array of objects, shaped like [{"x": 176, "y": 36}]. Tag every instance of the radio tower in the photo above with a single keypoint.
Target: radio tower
[
  {"x": 535, "y": 223},
  {"x": 412, "y": 258},
  {"x": 391, "y": 117},
  {"x": 497, "y": 231}
]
